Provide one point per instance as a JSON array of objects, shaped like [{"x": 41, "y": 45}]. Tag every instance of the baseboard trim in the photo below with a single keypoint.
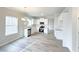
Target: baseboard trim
[{"x": 8, "y": 42}]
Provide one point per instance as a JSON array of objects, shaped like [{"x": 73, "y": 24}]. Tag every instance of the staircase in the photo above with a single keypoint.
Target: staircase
[{"x": 51, "y": 36}]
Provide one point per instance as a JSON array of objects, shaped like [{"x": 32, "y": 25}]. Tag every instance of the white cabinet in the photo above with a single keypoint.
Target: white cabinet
[{"x": 25, "y": 33}]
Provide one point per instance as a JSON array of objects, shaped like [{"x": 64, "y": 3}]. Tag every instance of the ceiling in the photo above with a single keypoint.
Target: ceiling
[{"x": 40, "y": 11}]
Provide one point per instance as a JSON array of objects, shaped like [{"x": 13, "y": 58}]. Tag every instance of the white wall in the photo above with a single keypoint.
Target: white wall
[
  {"x": 67, "y": 41},
  {"x": 7, "y": 12},
  {"x": 51, "y": 24},
  {"x": 77, "y": 30},
  {"x": 75, "y": 34}
]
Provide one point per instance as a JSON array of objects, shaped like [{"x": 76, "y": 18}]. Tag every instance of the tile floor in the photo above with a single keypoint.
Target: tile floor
[{"x": 35, "y": 43}]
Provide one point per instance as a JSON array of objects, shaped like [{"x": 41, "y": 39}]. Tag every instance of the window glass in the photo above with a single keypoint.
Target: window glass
[{"x": 11, "y": 25}]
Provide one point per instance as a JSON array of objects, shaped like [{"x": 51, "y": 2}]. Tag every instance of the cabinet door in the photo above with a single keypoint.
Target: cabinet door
[{"x": 25, "y": 33}]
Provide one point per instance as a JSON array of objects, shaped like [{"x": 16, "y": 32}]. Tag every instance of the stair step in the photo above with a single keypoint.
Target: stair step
[
  {"x": 59, "y": 42},
  {"x": 66, "y": 49}
]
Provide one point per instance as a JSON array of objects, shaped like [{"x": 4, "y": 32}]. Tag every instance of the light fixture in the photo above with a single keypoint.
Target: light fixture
[{"x": 23, "y": 19}]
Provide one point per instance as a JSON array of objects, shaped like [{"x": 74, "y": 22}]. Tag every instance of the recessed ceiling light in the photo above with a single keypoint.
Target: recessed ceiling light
[{"x": 23, "y": 19}]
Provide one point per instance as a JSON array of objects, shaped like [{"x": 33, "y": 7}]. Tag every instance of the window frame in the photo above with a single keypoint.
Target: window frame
[{"x": 16, "y": 25}]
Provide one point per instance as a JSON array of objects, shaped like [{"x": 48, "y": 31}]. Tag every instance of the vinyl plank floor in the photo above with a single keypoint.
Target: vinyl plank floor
[{"x": 35, "y": 43}]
